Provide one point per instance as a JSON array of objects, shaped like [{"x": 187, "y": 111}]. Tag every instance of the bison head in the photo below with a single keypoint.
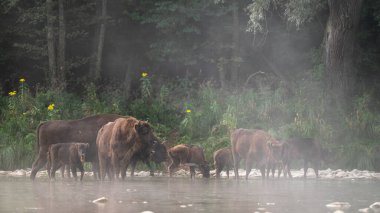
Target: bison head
[
  {"x": 159, "y": 152},
  {"x": 205, "y": 170},
  {"x": 82, "y": 148},
  {"x": 145, "y": 133}
]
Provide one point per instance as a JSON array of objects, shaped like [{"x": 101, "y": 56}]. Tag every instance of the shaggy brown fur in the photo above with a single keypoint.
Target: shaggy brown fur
[
  {"x": 72, "y": 154},
  {"x": 120, "y": 141},
  {"x": 306, "y": 149},
  {"x": 66, "y": 131},
  {"x": 252, "y": 145},
  {"x": 188, "y": 155},
  {"x": 223, "y": 159}
]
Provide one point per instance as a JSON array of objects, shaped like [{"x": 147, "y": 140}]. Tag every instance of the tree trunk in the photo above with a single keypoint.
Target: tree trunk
[
  {"x": 235, "y": 43},
  {"x": 51, "y": 43},
  {"x": 100, "y": 45},
  {"x": 61, "y": 72},
  {"x": 339, "y": 49}
]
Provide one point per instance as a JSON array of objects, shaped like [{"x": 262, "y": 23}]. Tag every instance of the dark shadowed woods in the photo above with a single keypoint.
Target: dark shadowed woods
[{"x": 195, "y": 70}]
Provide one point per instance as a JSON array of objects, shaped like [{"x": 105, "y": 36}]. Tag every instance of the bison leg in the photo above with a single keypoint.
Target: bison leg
[
  {"x": 39, "y": 162},
  {"x": 305, "y": 167},
  {"x": 133, "y": 167},
  {"x": 315, "y": 167},
  {"x": 103, "y": 166},
  {"x": 218, "y": 171},
  {"x": 151, "y": 170},
  {"x": 248, "y": 168},
  {"x": 74, "y": 171},
  {"x": 116, "y": 166},
  {"x": 81, "y": 169},
  {"x": 55, "y": 166},
  {"x": 236, "y": 166},
  {"x": 172, "y": 166},
  {"x": 192, "y": 172}
]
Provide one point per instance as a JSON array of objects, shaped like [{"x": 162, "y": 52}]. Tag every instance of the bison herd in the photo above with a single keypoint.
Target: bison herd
[{"x": 113, "y": 142}]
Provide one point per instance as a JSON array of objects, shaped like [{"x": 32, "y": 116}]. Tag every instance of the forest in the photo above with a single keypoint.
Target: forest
[{"x": 195, "y": 70}]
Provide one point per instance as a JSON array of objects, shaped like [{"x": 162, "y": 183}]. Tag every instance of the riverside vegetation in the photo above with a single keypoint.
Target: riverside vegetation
[{"x": 203, "y": 114}]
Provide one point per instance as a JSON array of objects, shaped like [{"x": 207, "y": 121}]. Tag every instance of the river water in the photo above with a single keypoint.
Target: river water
[{"x": 180, "y": 194}]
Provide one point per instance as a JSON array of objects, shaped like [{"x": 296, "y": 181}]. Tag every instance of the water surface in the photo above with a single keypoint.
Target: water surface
[{"x": 163, "y": 194}]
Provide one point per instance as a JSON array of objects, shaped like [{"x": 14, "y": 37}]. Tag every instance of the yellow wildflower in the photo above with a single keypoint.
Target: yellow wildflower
[
  {"x": 188, "y": 111},
  {"x": 13, "y": 93},
  {"x": 22, "y": 80},
  {"x": 51, "y": 107},
  {"x": 144, "y": 74}
]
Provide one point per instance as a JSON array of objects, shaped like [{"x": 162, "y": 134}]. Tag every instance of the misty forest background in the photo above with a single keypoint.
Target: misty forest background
[{"x": 194, "y": 70}]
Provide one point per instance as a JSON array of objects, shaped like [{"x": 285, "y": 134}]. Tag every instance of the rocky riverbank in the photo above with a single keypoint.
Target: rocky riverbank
[{"x": 324, "y": 174}]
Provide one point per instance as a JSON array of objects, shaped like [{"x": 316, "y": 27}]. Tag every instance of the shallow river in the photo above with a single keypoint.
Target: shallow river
[{"x": 163, "y": 194}]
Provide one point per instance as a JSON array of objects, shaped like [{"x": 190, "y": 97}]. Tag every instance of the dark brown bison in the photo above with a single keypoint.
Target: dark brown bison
[
  {"x": 252, "y": 145},
  {"x": 306, "y": 149},
  {"x": 65, "y": 131},
  {"x": 223, "y": 159},
  {"x": 72, "y": 154},
  {"x": 121, "y": 142},
  {"x": 188, "y": 155},
  {"x": 156, "y": 153}
]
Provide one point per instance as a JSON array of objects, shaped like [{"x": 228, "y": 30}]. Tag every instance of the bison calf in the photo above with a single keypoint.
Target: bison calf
[
  {"x": 72, "y": 154},
  {"x": 188, "y": 155},
  {"x": 223, "y": 159}
]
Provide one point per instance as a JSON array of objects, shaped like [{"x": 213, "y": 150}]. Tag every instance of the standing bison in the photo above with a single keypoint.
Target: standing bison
[
  {"x": 122, "y": 142},
  {"x": 252, "y": 145},
  {"x": 65, "y": 131},
  {"x": 71, "y": 154},
  {"x": 188, "y": 155},
  {"x": 306, "y": 149},
  {"x": 223, "y": 159}
]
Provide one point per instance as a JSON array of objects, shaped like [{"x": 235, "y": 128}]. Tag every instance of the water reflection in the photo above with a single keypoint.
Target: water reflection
[{"x": 162, "y": 194}]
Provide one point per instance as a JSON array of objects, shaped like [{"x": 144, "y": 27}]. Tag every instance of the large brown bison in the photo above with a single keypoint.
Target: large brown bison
[
  {"x": 72, "y": 154},
  {"x": 252, "y": 145},
  {"x": 121, "y": 142},
  {"x": 223, "y": 159},
  {"x": 306, "y": 149},
  {"x": 65, "y": 131},
  {"x": 188, "y": 155}
]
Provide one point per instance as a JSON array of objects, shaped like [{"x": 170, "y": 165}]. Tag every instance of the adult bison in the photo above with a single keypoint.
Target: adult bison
[
  {"x": 252, "y": 145},
  {"x": 188, "y": 155},
  {"x": 223, "y": 159},
  {"x": 65, "y": 131},
  {"x": 124, "y": 141},
  {"x": 306, "y": 149}
]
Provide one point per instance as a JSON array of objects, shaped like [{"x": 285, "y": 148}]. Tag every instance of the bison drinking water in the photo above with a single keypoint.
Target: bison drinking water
[
  {"x": 223, "y": 159},
  {"x": 61, "y": 131},
  {"x": 124, "y": 141},
  {"x": 306, "y": 149},
  {"x": 188, "y": 155},
  {"x": 252, "y": 145},
  {"x": 72, "y": 154}
]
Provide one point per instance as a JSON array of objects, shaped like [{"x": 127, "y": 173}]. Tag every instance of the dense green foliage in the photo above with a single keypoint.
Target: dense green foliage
[{"x": 194, "y": 70}]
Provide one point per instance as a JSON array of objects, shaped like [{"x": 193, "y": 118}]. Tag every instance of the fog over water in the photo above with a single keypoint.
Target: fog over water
[{"x": 180, "y": 194}]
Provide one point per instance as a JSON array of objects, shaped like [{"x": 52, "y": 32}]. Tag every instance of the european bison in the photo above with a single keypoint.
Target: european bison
[
  {"x": 156, "y": 153},
  {"x": 72, "y": 154},
  {"x": 188, "y": 155},
  {"x": 306, "y": 149},
  {"x": 65, "y": 131},
  {"x": 252, "y": 145},
  {"x": 223, "y": 159},
  {"x": 122, "y": 140}
]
